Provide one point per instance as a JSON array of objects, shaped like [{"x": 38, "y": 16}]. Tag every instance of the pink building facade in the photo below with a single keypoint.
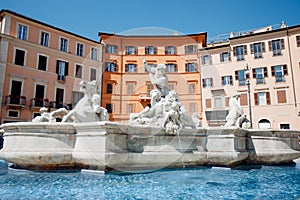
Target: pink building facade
[
  {"x": 267, "y": 59},
  {"x": 41, "y": 66}
]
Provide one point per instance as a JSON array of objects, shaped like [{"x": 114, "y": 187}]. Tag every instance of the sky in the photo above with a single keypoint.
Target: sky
[{"x": 216, "y": 17}]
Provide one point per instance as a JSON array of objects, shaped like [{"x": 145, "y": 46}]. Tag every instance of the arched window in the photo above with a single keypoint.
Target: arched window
[{"x": 264, "y": 123}]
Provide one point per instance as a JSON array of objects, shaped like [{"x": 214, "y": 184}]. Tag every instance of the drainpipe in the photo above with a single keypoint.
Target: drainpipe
[
  {"x": 121, "y": 86},
  {"x": 291, "y": 64}
]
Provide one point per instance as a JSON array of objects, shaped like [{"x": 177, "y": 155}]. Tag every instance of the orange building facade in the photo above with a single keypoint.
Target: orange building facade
[
  {"x": 126, "y": 84},
  {"x": 41, "y": 66}
]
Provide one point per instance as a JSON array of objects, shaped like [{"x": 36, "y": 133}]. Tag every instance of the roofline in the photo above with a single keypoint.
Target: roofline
[
  {"x": 215, "y": 47},
  {"x": 44, "y": 24},
  {"x": 155, "y": 36},
  {"x": 265, "y": 32}
]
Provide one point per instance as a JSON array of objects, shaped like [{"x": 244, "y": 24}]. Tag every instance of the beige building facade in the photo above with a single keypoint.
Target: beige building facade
[{"x": 266, "y": 59}]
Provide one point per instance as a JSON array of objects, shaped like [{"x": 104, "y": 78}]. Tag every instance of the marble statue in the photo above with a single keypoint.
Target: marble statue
[
  {"x": 236, "y": 116},
  {"x": 166, "y": 109},
  {"x": 50, "y": 116},
  {"x": 88, "y": 108}
]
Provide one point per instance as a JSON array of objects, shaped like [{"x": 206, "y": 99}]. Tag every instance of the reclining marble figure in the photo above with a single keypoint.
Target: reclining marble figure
[{"x": 165, "y": 109}]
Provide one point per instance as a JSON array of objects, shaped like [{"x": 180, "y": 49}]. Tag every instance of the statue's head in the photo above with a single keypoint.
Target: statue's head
[
  {"x": 236, "y": 95},
  {"x": 88, "y": 87},
  {"x": 161, "y": 68}
]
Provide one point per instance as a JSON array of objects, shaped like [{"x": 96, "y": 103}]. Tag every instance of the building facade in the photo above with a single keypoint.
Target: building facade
[
  {"x": 41, "y": 66},
  {"x": 267, "y": 61},
  {"x": 126, "y": 84}
]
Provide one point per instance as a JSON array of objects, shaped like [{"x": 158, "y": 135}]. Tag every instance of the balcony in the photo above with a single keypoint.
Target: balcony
[
  {"x": 55, "y": 105},
  {"x": 14, "y": 100},
  {"x": 39, "y": 102}
]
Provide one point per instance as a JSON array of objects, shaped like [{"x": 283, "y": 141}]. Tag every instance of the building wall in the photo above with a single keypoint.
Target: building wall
[
  {"x": 31, "y": 76},
  {"x": 279, "y": 112},
  {"x": 120, "y": 99}
]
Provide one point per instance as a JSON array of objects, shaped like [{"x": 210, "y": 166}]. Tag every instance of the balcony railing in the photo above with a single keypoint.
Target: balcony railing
[
  {"x": 39, "y": 102},
  {"x": 280, "y": 79},
  {"x": 15, "y": 100}
]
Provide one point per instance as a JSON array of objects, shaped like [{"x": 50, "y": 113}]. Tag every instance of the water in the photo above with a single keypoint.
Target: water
[{"x": 268, "y": 182}]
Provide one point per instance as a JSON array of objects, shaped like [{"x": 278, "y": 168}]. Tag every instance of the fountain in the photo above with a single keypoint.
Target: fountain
[{"x": 163, "y": 135}]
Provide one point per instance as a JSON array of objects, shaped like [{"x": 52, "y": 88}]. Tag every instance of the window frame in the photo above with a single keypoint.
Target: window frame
[
  {"x": 48, "y": 41},
  {"x": 63, "y": 44},
  {"x": 38, "y": 61},
  {"x": 91, "y": 70},
  {"x": 18, "y": 31},
  {"x": 15, "y": 54},
  {"x": 75, "y": 70},
  {"x": 131, "y": 50},
  {"x": 79, "y": 53},
  {"x": 94, "y": 53},
  {"x": 170, "y": 52}
]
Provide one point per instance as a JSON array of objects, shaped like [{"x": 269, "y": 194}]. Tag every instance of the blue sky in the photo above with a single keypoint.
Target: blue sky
[{"x": 215, "y": 17}]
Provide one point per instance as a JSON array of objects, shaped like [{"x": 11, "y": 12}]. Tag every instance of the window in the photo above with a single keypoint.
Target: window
[
  {"x": 226, "y": 80},
  {"x": 39, "y": 95},
  {"x": 285, "y": 126},
  {"x": 78, "y": 71},
  {"x": 244, "y": 99},
  {"x": 15, "y": 92},
  {"x": 131, "y": 50},
  {"x": 150, "y": 50},
  {"x": 79, "y": 50},
  {"x": 109, "y": 88},
  {"x": 130, "y": 68},
  {"x": 111, "y": 49},
  {"x": 208, "y": 103},
  {"x": 262, "y": 98},
  {"x": 93, "y": 74},
  {"x": 281, "y": 96},
  {"x": 13, "y": 113},
  {"x": 61, "y": 69},
  {"x": 110, "y": 67},
  {"x": 206, "y": 60},
  {"x": 298, "y": 40},
  {"x": 191, "y": 67},
  {"x": 171, "y": 67},
  {"x": 189, "y": 49},
  {"x": 42, "y": 62},
  {"x": 19, "y": 57},
  {"x": 219, "y": 102},
  {"x": 170, "y": 50},
  {"x": 130, "y": 88},
  {"x": 225, "y": 57},
  {"x": 207, "y": 82},
  {"x": 109, "y": 107},
  {"x": 240, "y": 52},
  {"x": 76, "y": 96},
  {"x": 257, "y": 49},
  {"x": 94, "y": 54},
  {"x": 59, "y": 100},
  {"x": 276, "y": 46},
  {"x": 22, "y": 32},
  {"x": 192, "y": 88},
  {"x": 279, "y": 72},
  {"x": 130, "y": 108},
  {"x": 241, "y": 76},
  {"x": 63, "y": 45},
  {"x": 44, "y": 39},
  {"x": 259, "y": 74}
]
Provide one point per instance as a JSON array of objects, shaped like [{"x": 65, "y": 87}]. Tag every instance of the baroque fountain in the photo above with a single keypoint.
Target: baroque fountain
[{"x": 163, "y": 135}]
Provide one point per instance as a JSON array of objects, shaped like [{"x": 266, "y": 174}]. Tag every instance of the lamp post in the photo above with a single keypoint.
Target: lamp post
[{"x": 247, "y": 70}]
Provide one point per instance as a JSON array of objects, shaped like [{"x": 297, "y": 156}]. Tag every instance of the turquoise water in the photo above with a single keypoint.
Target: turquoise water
[{"x": 267, "y": 182}]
